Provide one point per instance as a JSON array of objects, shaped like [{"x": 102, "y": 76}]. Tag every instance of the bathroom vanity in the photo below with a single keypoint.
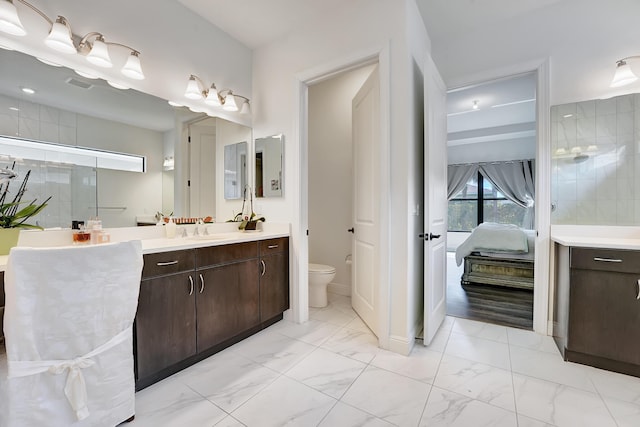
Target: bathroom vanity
[
  {"x": 198, "y": 294},
  {"x": 597, "y": 302},
  {"x": 196, "y": 302}
]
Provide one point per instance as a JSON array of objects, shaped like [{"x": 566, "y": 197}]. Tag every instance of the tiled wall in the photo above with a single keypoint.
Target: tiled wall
[
  {"x": 73, "y": 188},
  {"x": 596, "y": 162}
]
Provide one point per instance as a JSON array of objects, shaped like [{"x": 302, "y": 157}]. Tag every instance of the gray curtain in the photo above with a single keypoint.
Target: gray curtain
[
  {"x": 516, "y": 181},
  {"x": 458, "y": 176}
]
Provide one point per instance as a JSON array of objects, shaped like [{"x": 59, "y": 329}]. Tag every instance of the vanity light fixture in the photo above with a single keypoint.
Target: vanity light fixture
[
  {"x": 61, "y": 39},
  {"x": 214, "y": 97},
  {"x": 99, "y": 54},
  {"x": 229, "y": 102},
  {"x": 623, "y": 75},
  {"x": 9, "y": 20},
  {"x": 194, "y": 90}
]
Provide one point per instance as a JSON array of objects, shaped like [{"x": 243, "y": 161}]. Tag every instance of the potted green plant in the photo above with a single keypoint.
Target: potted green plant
[{"x": 13, "y": 212}]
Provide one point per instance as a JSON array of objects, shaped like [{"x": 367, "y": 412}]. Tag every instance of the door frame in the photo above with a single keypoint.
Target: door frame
[
  {"x": 542, "y": 265},
  {"x": 300, "y": 220}
]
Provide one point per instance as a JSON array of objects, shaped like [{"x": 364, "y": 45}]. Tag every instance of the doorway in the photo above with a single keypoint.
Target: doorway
[
  {"x": 492, "y": 141},
  {"x": 331, "y": 175}
]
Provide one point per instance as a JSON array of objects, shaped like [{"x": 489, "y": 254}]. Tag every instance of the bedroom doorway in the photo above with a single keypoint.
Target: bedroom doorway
[{"x": 491, "y": 146}]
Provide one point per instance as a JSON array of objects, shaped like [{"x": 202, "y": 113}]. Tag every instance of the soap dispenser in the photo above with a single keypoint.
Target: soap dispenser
[{"x": 170, "y": 229}]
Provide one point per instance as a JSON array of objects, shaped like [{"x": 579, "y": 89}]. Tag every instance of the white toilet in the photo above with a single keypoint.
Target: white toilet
[{"x": 320, "y": 276}]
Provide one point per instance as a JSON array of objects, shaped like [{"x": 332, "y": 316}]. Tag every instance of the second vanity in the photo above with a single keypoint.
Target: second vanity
[
  {"x": 200, "y": 294},
  {"x": 597, "y": 298}
]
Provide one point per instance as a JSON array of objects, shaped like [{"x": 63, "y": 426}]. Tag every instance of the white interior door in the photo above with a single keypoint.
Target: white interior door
[
  {"x": 202, "y": 169},
  {"x": 435, "y": 197},
  {"x": 366, "y": 160}
]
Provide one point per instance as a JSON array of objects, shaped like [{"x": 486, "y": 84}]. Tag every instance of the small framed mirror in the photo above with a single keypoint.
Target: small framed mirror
[
  {"x": 269, "y": 166},
  {"x": 235, "y": 170}
]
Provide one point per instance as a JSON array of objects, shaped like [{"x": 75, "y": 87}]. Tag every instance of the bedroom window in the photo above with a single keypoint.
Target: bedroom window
[{"x": 471, "y": 207}]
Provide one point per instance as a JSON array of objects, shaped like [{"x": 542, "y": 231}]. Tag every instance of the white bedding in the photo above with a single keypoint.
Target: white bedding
[{"x": 494, "y": 238}]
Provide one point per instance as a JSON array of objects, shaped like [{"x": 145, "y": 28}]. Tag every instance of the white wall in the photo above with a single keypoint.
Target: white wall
[
  {"x": 330, "y": 173},
  {"x": 359, "y": 28}
]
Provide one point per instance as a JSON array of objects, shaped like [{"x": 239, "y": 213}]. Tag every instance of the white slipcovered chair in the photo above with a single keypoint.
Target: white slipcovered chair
[{"x": 68, "y": 334}]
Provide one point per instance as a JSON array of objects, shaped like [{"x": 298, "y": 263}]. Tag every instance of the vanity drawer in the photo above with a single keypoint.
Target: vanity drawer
[
  {"x": 616, "y": 260},
  {"x": 163, "y": 263},
  {"x": 274, "y": 245},
  {"x": 224, "y": 254}
]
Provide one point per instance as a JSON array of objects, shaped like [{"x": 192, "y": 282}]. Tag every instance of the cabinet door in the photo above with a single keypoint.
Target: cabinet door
[
  {"x": 274, "y": 285},
  {"x": 604, "y": 315},
  {"x": 165, "y": 323},
  {"x": 227, "y": 302}
]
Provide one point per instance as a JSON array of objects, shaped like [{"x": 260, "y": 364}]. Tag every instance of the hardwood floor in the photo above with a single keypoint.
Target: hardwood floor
[{"x": 493, "y": 304}]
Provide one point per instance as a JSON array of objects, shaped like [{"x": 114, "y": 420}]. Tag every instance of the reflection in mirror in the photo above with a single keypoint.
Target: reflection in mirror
[
  {"x": 595, "y": 176},
  {"x": 73, "y": 110},
  {"x": 269, "y": 166},
  {"x": 235, "y": 170}
]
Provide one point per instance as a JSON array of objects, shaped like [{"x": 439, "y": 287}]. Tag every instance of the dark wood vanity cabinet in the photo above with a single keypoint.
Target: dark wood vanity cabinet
[
  {"x": 274, "y": 278},
  {"x": 166, "y": 317},
  {"x": 228, "y": 293},
  {"x": 196, "y": 302},
  {"x": 603, "y": 313},
  {"x": 1, "y": 305}
]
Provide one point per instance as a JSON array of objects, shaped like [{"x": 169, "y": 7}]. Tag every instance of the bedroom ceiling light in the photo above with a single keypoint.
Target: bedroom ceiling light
[
  {"x": 623, "y": 75},
  {"x": 62, "y": 39},
  {"x": 224, "y": 98}
]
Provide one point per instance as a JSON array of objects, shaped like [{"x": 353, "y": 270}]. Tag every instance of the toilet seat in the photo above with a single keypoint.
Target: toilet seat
[{"x": 321, "y": 269}]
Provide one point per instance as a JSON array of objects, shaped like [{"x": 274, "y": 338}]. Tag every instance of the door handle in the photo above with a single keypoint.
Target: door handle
[
  {"x": 429, "y": 236},
  {"x": 190, "y": 285},
  {"x": 638, "y": 296},
  {"x": 201, "y": 284},
  {"x": 264, "y": 267},
  {"x": 351, "y": 230}
]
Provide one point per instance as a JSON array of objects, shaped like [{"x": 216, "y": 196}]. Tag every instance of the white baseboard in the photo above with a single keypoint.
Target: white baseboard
[
  {"x": 400, "y": 345},
  {"x": 339, "y": 289}
]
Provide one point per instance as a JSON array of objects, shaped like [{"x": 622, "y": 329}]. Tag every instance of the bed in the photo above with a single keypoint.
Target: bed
[{"x": 498, "y": 254}]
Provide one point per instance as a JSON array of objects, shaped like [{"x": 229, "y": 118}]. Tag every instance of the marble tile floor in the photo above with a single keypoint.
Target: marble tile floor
[{"x": 329, "y": 372}]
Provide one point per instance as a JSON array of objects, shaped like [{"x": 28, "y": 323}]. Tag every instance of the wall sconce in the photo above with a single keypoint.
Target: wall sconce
[
  {"x": 224, "y": 98},
  {"x": 61, "y": 39},
  {"x": 623, "y": 75}
]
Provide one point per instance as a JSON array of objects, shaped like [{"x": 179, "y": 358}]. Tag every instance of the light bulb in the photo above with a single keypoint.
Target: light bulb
[
  {"x": 9, "y": 19},
  {"x": 212, "y": 96},
  {"x": 132, "y": 68},
  {"x": 59, "y": 37},
  {"x": 99, "y": 54},
  {"x": 623, "y": 75},
  {"x": 230, "y": 102},
  {"x": 193, "y": 89}
]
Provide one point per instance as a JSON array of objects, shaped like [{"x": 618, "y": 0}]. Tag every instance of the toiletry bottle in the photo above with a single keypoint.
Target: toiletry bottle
[{"x": 170, "y": 229}]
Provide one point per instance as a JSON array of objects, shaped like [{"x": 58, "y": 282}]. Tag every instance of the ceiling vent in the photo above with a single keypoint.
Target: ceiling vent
[{"x": 78, "y": 83}]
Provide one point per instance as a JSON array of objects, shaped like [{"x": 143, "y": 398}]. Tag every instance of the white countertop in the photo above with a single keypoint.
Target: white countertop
[
  {"x": 587, "y": 236},
  {"x": 153, "y": 240}
]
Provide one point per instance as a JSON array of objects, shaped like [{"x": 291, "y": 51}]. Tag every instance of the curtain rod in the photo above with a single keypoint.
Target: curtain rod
[{"x": 491, "y": 163}]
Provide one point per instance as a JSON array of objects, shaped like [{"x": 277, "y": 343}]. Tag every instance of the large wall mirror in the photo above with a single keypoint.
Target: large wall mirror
[
  {"x": 235, "y": 170},
  {"x": 595, "y": 162},
  {"x": 70, "y": 109},
  {"x": 268, "y": 166}
]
